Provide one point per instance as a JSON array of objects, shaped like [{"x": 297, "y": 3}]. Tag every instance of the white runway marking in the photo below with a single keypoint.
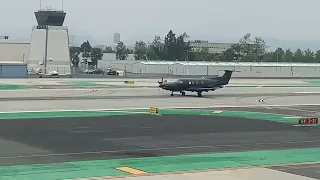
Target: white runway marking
[
  {"x": 167, "y": 107},
  {"x": 306, "y": 92}
]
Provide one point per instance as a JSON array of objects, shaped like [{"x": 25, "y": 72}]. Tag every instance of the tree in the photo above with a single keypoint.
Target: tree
[
  {"x": 170, "y": 46},
  {"x": 109, "y": 50},
  {"x": 317, "y": 56},
  {"x": 278, "y": 55},
  {"x": 288, "y": 56},
  {"x": 140, "y": 51},
  {"x": 202, "y": 54},
  {"x": 95, "y": 55},
  {"x": 176, "y": 48},
  {"x": 121, "y": 51},
  {"x": 74, "y": 55},
  {"x": 309, "y": 56},
  {"x": 245, "y": 44},
  {"x": 298, "y": 56},
  {"x": 155, "y": 50},
  {"x": 86, "y": 49},
  {"x": 258, "y": 48},
  {"x": 151, "y": 54},
  {"x": 250, "y": 50},
  {"x": 229, "y": 55}
]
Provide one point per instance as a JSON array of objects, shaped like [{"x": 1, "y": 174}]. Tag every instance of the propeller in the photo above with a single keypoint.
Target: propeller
[{"x": 160, "y": 83}]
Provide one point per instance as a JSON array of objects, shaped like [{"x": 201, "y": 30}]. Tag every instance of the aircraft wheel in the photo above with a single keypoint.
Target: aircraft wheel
[
  {"x": 199, "y": 94},
  {"x": 171, "y": 94},
  {"x": 183, "y": 93}
]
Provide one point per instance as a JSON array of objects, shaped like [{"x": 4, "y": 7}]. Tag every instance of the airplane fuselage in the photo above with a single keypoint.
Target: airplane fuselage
[
  {"x": 197, "y": 84},
  {"x": 191, "y": 85}
]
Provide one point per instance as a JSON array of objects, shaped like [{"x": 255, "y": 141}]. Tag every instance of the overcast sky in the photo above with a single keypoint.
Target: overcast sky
[{"x": 213, "y": 20}]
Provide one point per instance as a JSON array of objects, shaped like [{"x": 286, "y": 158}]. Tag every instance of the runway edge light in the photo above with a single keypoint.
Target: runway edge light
[{"x": 153, "y": 110}]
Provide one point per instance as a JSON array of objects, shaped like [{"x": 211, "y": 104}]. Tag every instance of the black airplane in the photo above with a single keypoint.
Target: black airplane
[{"x": 198, "y": 85}]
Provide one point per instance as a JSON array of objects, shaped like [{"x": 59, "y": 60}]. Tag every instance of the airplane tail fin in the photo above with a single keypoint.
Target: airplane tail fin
[{"x": 225, "y": 78}]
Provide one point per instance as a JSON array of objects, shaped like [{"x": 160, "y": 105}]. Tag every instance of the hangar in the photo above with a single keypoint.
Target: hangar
[
  {"x": 246, "y": 69},
  {"x": 13, "y": 59},
  {"x": 10, "y": 69}
]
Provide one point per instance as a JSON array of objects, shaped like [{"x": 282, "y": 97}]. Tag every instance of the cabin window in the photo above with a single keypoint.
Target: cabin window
[
  {"x": 197, "y": 82},
  {"x": 189, "y": 82},
  {"x": 202, "y": 82}
]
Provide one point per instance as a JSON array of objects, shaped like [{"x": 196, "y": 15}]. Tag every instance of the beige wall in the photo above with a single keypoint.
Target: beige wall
[{"x": 10, "y": 51}]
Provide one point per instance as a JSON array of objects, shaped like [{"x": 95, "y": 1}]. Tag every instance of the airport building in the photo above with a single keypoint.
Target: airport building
[
  {"x": 245, "y": 69},
  {"x": 47, "y": 50},
  {"x": 214, "y": 48},
  {"x": 49, "y": 44},
  {"x": 13, "y": 58}
]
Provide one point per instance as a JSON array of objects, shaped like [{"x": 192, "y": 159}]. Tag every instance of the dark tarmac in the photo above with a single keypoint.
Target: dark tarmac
[
  {"x": 74, "y": 139},
  {"x": 308, "y": 170}
]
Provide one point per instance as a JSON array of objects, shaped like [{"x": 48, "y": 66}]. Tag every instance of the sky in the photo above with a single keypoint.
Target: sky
[{"x": 280, "y": 22}]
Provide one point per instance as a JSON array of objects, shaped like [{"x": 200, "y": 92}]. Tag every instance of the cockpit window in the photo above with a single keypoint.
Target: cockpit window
[{"x": 179, "y": 81}]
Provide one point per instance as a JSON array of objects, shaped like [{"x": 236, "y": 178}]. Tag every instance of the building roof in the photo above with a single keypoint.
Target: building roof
[
  {"x": 5, "y": 41},
  {"x": 230, "y": 64},
  {"x": 12, "y": 63}
]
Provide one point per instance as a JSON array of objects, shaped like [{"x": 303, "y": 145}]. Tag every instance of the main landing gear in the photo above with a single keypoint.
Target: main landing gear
[{"x": 182, "y": 93}]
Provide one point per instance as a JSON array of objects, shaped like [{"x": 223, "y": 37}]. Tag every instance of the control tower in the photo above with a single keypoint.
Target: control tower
[{"x": 49, "y": 45}]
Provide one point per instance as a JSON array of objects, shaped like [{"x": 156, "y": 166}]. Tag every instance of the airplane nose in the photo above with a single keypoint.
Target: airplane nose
[{"x": 164, "y": 86}]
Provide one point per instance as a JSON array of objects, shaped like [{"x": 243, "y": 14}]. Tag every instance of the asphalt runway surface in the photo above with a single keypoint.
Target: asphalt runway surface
[
  {"x": 74, "y": 139},
  {"x": 307, "y": 170},
  {"x": 84, "y": 99}
]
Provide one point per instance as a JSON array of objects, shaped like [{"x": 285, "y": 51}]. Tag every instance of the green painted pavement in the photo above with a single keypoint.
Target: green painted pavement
[
  {"x": 316, "y": 83},
  {"x": 14, "y": 86},
  {"x": 84, "y": 169}
]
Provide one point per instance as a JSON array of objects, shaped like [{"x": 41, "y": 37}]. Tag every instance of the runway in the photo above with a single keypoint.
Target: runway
[
  {"x": 110, "y": 98},
  {"x": 118, "y": 137},
  {"x": 55, "y": 140}
]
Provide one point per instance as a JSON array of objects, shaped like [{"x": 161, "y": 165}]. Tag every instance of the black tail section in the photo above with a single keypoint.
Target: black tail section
[{"x": 225, "y": 78}]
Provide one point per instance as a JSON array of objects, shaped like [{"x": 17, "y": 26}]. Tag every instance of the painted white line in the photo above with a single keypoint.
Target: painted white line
[
  {"x": 305, "y": 125},
  {"x": 306, "y": 92},
  {"x": 31, "y": 89},
  {"x": 168, "y": 107},
  {"x": 153, "y": 149},
  {"x": 294, "y": 117}
]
